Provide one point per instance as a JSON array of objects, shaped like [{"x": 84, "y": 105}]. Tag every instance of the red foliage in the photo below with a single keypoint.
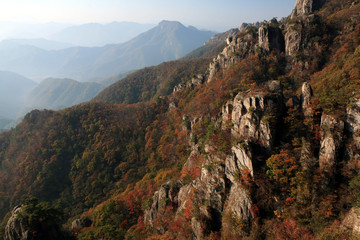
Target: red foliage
[{"x": 290, "y": 230}]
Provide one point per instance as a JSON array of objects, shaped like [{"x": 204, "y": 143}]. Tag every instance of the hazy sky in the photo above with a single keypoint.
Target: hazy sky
[{"x": 211, "y": 14}]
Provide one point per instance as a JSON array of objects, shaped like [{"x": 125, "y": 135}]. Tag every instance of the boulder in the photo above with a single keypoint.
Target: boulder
[{"x": 352, "y": 221}]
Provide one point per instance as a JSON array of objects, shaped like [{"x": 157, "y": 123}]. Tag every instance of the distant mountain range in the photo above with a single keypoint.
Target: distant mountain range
[
  {"x": 167, "y": 41},
  {"x": 60, "y": 93},
  {"x": 13, "y": 89},
  {"x": 96, "y": 34},
  {"x": 41, "y": 43}
]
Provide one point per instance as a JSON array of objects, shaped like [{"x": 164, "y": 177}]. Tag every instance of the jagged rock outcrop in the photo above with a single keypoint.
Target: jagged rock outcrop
[
  {"x": 252, "y": 113},
  {"x": 303, "y": 7},
  {"x": 238, "y": 48},
  {"x": 271, "y": 38},
  {"x": 245, "y": 26},
  {"x": 332, "y": 134},
  {"x": 195, "y": 81},
  {"x": 292, "y": 39},
  {"x": 352, "y": 221},
  {"x": 17, "y": 228},
  {"x": 352, "y": 127},
  {"x": 238, "y": 160},
  {"x": 159, "y": 201},
  {"x": 305, "y": 98},
  {"x": 80, "y": 223},
  {"x": 239, "y": 203}
]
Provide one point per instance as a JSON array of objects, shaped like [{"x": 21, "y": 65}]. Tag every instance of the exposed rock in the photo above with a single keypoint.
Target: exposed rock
[
  {"x": 307, "y": 159},
  {"x": 172, "y": 106},
  {"x": 271, "y": 38},
  {"x": 81, "y": 223},
  {"x": 352, "y": 126},
  {"x": 17, "y": 228},
  {"x": 303, "y": 7},
  {"x": 251, "y": 114},
  {"x": 159, "y": 201},
  {"x": 305, "y": 98},
  {"x": 274, "y": 86},
  {"x": 237, "y": 49},
  {"x": 179, "y": 87},
  {"x": 292, "y": 39},
  {"x": 352, "y": 221},
  {"x": 239, "y": 203},
  {"x": 353, "y": 119},
  {"x": 332, "y": 134},
  {"x": 237, "y": 161}
]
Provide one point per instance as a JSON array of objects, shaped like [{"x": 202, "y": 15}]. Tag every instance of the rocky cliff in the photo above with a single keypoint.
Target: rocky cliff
[{"x": 303, "y": 7}]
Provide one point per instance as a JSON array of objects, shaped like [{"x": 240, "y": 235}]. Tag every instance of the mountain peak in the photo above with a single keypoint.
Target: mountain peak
[{"x": 167, "y": 23}]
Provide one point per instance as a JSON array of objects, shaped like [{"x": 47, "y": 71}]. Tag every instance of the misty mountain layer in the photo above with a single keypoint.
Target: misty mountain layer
[{"x": 167, "y": 41}]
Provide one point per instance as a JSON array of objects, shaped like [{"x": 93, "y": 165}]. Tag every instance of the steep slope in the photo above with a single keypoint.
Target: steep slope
[
  {"x": 167, "y": 41},
  {"x": 13, "y": 89},
  {"x": 263, "y": 146},
  {"x": 60, "y": 93},
  {"x": 147, "y": 83}
]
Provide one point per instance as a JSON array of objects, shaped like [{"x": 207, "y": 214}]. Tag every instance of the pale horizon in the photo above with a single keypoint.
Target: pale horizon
[{"x": 210, "y": 15}]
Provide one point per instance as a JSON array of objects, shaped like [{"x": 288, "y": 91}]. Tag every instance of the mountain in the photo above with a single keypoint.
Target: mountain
[
  {"x": 96, "y": 35},
  {"x": 38, "y": 42},
  {"x": 13, "y": 88},
  {"x": 165, "y": 42},
  {"x": 60, "y": 93},
  {"x": 263, "y": 144},
  {"x": 151, "y": 82}
]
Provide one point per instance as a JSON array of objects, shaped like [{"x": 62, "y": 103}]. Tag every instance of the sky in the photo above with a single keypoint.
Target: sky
[{"x": 216, "y": 15}]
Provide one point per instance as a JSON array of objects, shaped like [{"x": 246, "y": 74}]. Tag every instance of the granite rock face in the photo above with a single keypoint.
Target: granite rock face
[
  {"x": 16, "y": 228},
  {"x": 237, "y": 48},
  {"x": 332, "y": 134},
  {"x": 271, "y": 38},
  {"x": 303, "y": 7},
  {"x": 305, "y": 98},
  {"x": 252, "y": 113}
]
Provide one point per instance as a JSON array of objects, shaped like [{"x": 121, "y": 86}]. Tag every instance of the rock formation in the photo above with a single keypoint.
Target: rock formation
[
  {"x": 305, "y": 98},
  {"x": 17, "y": 228},
  {"x": 303, "y": 7},
  {"x": 292, "y": 39},
  {"x": 352, "y": 221},
  {"x": 80, "y": 223},
  {"x": 237, "y": 48},
  {"x": 352, "y": 127},
  {"x": 332, "y": 134},
  {"x": 271, "y": 38},
  {"x": 251, "y": 114}
]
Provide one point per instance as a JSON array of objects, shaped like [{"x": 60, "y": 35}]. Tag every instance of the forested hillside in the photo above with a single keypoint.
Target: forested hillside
[{"x": 261, "y": 142}]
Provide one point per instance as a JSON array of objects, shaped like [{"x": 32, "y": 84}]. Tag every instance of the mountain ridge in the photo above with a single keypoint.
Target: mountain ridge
[{"x": 262, "y": 145}]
